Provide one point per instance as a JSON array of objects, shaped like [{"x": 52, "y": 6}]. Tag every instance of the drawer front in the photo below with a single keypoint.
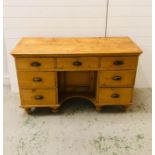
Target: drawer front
[
  {"x": 117, "y": 78},
  {"x": 111, "y": 63},
  {"x": 35, "y": 64},
  {"x": 37, "y": 79},
  {"x": 115, "y": 96},
  {"x": 77, "y": 63},
  {"x": 41, "y": 97}
]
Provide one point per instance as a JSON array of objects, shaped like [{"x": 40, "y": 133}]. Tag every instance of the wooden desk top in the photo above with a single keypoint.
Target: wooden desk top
[{"x": 76, "y": 46}]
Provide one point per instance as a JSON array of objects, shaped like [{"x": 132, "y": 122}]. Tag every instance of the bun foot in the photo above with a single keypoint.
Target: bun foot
[
  {"x": 124, "y": 108},
  {"x": 55, "y": 110},
  {"x": 28, "y": 110},
  {"x": 98, "y": 108}
]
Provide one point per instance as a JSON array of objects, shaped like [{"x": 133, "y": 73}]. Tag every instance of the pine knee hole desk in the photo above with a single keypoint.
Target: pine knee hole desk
[{"x": 53, "y": 70}]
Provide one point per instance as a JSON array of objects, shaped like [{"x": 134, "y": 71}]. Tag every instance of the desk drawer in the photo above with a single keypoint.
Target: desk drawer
[
  {"x": 117, "y": 78},
  {"x": 35, "y": 64},
  {"x": 111, "y": 63},
  {"x": 43, "y": 97},
  {"x": 37, "y": 79},
  {"x": 77, "y": 63},
  {"x": 115, "y": 96}
]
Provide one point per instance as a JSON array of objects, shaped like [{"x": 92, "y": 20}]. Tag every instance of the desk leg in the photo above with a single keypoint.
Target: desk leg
[
  {"x": 55, "y": 109},
  {"x": 98, "y": 108},
  {"x": 126, "y": 107},
  {"x": 28, "y": 110}
]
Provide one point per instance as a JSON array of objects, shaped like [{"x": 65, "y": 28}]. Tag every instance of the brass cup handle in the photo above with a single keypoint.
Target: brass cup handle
[
  {"x": 77, "y": 63},
  {"x": 117, "y": 78},
  {"x": 39, "y": 97},
  {"x": 37, "y": 79},
  {"x": 35, "y": 64},
  {"x": 118, "y": 62},
  {"x": 115, "y": 95}
]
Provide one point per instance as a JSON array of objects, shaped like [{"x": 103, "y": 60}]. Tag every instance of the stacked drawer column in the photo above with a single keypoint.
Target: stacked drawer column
[
  {"x": 37, "y": 82},
  {"x": 116, "y": 80}
]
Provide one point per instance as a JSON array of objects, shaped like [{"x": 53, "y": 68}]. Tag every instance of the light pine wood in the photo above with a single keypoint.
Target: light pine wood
[
  {"x": 26, "y": 64},
  {"x": 26, "y": 79},
  {"x": 86, "y": 62},
  {"x": 125, "y": 96},
  {"x": 123, "y": 78},
  {"x": 76, "y": 46},
  {"x": 101, "y": 70},
  {"x": 77, "y": 78},
  {"x": 77, "y": 81},
  {"x": 28, "y": 97},
  {"x": 128, "y": 63}
]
